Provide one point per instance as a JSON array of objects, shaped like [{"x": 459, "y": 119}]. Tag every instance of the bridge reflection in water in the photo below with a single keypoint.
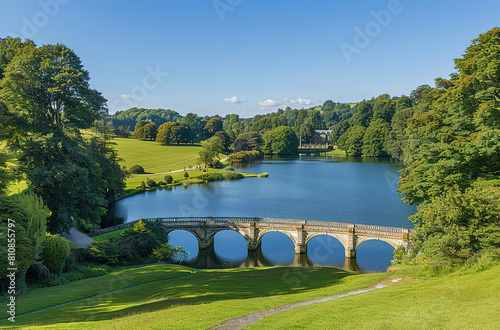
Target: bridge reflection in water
[{"x": 209, "y": 259}]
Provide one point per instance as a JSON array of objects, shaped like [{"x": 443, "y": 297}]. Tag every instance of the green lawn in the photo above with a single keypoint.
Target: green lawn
[
  {"x": 468, "y": 301},
  {"x": 107, "y": 236},
  {"x": 158, "y": 160},
  {"x": 177, "y": 297},
  {"x": 339, "y": 152},
  {"x": 150, "y": 154}
]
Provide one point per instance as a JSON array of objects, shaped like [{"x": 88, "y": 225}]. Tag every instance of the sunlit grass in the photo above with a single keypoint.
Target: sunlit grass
[
  {"x": 454, "y": 301},
  {"x": 179, "y": 297},
  {"x": 150, "y": 154}
]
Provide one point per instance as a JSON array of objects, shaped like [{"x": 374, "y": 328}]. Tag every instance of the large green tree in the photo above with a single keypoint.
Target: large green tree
[
  {"x": 46, "y": 91},
  {"x": 352, "y": 140},
  {"x": 375, "y": 137},
  {"x": 212, "y": 126},
  {"x": 210, "y": 150},
  {"x": 48, "y": 87},
  {"x": 281, "y": 141},
  {"x": 147, "y": 132}
]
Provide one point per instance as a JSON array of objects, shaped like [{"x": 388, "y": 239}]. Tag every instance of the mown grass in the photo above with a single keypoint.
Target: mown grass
[
  {"x": 150, "y": 154},
  {"x": 107, "y": 236},
  {"x": 174, "y": 297},
  {"x": 338, "y": 152},
  {"x": 177, "y": 297},
  {"x": 454, "y": 301},
  {"x": 159, "y": 160}
]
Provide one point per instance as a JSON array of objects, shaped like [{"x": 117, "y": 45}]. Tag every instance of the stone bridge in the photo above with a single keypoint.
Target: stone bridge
[{"x": 299, "y": 231}]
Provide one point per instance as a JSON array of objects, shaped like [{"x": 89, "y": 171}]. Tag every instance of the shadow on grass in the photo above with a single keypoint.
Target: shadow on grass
[{"x": 203, "y": 287}]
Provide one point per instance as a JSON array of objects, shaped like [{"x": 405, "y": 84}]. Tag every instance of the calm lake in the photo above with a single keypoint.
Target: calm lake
[{"x": 352, "y": 190}]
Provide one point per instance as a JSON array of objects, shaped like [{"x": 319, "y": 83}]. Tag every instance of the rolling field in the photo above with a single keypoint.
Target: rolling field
[
  {"x": 165, "y": 296},
  {"x": 159, "y": 160},
  {"x": 177, "y": 297},
  {"x": 155, "y": 157}
]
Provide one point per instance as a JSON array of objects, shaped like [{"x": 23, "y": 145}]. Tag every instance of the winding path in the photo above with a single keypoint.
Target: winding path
[{"x": 244, "y": 320}]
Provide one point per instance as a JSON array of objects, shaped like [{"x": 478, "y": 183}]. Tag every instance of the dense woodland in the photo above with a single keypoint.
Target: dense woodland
[{"x": 446, "y": 135}]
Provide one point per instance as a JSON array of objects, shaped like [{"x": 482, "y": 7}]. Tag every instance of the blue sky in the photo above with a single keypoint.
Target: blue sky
[{"x": 253, "y": 56}]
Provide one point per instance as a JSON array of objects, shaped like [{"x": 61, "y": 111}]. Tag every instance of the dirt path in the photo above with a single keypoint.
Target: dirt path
[
  {"x": 78, "y": 238},
  {"x": 162, "y": 173},
  {"x": 182, "y": 161},
  {"x": 244, "y": 320}
]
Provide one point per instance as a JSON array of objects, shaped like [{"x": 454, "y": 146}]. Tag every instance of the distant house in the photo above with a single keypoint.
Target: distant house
[{"x": 322, "y": 136}]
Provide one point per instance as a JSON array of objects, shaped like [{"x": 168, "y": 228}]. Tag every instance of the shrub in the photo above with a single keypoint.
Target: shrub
[
  {"x": 137, "y": 169},
  {"x": 140, "y": 227},
  {"x": 55, "y": 252},
  {"x": 217, "y": 164},
  {"x": 168, "y": 179},
  {"x": 244, "y": 157},
  {"x": 138, "y": 246},
  {"x": 124, "y": 234},
  {"x": 157, "y": 229},
  {"x": 166, "y": 252},
  {"x": 263, "y": 175},
  {"x": 102, "y": 252},
  {"x": 9, "y": 209},
  {"x": 209, "y": 177},
  {"x": 186, "y": 174},
  {"x": 37, "y": 273},
  {"x": 76, "y": 256},
  {"x": 233, "y": 176},
  {"x": 79, "y": 273},
  {"x": 229, "y": 168},
  {"x": 151, "y": 183},
  {"x": 143, "y": 185},
  {"x": 161, "y": 183}
]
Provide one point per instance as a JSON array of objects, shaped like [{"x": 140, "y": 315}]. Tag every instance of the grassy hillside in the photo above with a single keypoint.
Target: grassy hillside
[
  {"x": 159, "y": 160},
  {"x": 155, "y": 157},
  {"x": 451, "y": 302},
  {"x": 177, "y": 297},
  {"x": 173, "y": 297}
]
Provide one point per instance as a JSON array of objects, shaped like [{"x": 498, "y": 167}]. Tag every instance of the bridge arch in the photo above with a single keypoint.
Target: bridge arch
[
  {"x": 263, "y": 232},
  {"x": 189, "y": 230},
  {"x": 339, "y": 237},
  {"x": 389, "y": 241},
  {"x": 230, "y": 245}
]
